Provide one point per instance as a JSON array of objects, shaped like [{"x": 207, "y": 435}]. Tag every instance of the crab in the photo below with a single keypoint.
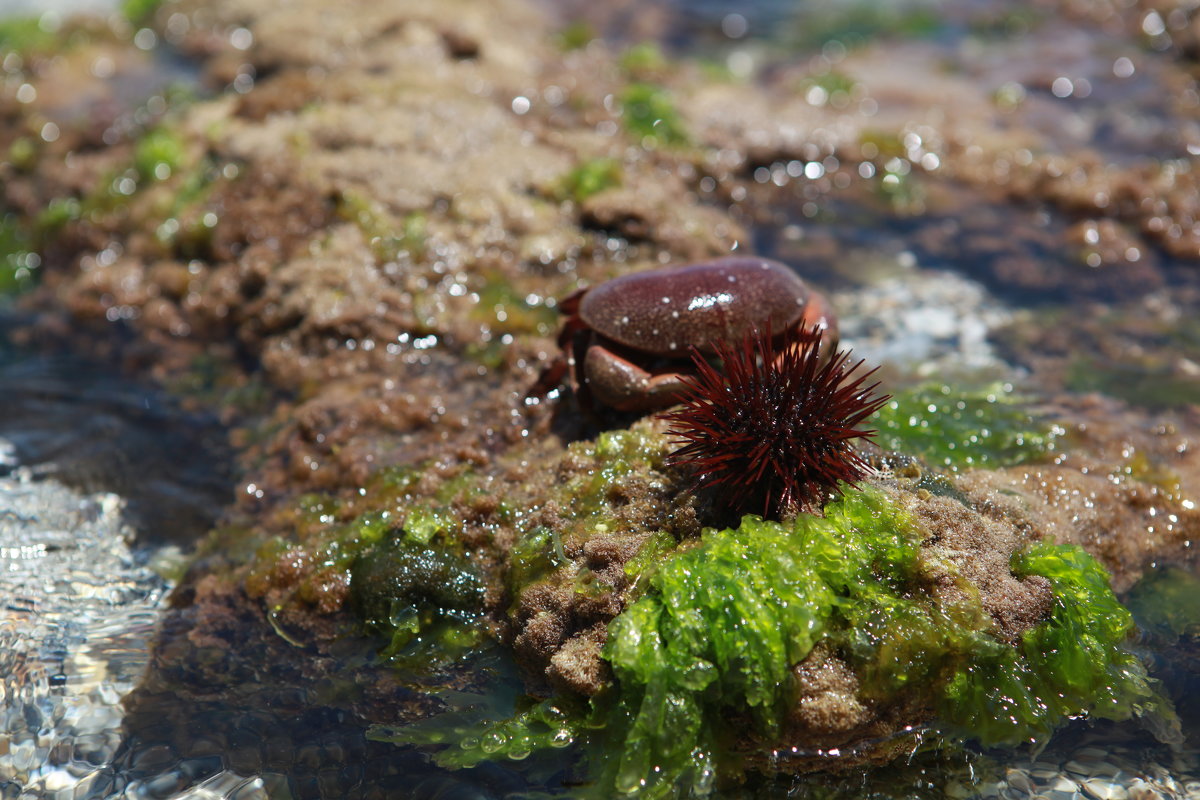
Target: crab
[{"x": 627, "y": 343}]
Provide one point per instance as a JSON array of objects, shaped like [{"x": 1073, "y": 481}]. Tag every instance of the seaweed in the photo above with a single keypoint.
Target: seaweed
[
  {"x": 158, "y": 154},
  {"x": 642, "y": 59},
  {"x": 401, "y": 566},
  {"x": 1074, "y": 663},
  {"x": 716, "y": 637},
  {"x": 717, "y": 634},
  {"x": 478, "y": 735},
  {"x": 1153, "y": 381},
  {"x": 650, "y": 115},
  {"x": 1166, "y": 604},
  {"x": 140, "y": 12},
  {"x": 703, "y": 660},
  {"x": 987, "y": 427},
  {"x": 19, "y": 260},
  {"x": 576, "y": 36},
  {"x": 389, "y": 239},
  {"x": 589, "y": 178},
  {"x": 30, "y": 35},
  {"x": 423, "y": 599},
  {"x": 586, "y": 501}
]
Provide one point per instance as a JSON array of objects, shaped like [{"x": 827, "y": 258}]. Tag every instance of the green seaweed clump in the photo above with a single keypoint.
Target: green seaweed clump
[
  {"x": 988, "y": 427},
  {"x": 1151, "y": 381},
  {"x": 159, "y": 154},
  {"x": 589, "y": 178},
  {"x": 1166, "y": 604},
  {"x": 26, "y": 35},
  {"x": 617, "y": 454},
  {"x": 1071, "y": 664},
  {"x": 651, "y": 116},
  {"x": 723, "y": 623},
  {"x": 576, "y": 36},
  {"x": 422, "y": 598},
  {"x": 139, "y": 11},
  {"x": 704, "y": 659},
  {"x": 535, "y": 555},
  {"x": 643, "y": 58},
  {"x": 18, "y": 261},
  {"x": 540, "y": 727}
]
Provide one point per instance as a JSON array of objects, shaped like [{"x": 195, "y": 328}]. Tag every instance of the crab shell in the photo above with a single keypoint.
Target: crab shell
[{"x": 633, "y": 334}]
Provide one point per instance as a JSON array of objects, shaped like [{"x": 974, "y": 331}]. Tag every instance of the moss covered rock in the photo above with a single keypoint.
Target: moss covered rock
[
  {"x": 834, "y": 640},
  {"x": 416, "y": 594}
]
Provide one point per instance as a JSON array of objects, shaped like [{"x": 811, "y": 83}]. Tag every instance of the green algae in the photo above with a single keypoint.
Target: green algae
[
  {"x": 641, "y": 567},
  {"x": 586, "y": 495},
  {"x": 401, "y": 563},
  {"x": 720, "y": 625},
  {"x": 387, "y": 239},
  {"x": 1166, "y": 604},
  {"x": 585, "y": 500},
  {"x": 27, "y": 36},
  {"x": 477, "y": 735},
  {"x": 422, "y": 599},
  {"x": 409, "y": 583},
  {"x": 140, "y": 12},
  {"x": 589, "y": 178},
  {"x": 832, "y": 88},
  {"x": 410, "y": 580},
  {"x": 19, "y": 261},
  {"x": 162, "y": 154},
  {"x": 158, "y": 154},
  {"x": 423, "y": 523},
  {"x": 535, "y": 555},
  {"x": 900, "y": 188},
  {"x": 505, "y": 309},
  {"x": 585, "y": 503},
  {"x": 988, "y": 427},
  {"x": 724, "y": 622},
  {"x": 23, "y": 153},
  {"x": 576, "y": 36},
  {"x": 1164, "y": 480},
  {"x": 57, "y": 213},
  {"x": 650, "y": 115},
  {"x": 858, "y": 23},
  {"x": 1074, "y": 663},
  {"x": 1153, "y": 382},
  {"x": 398, "y": 487},
  {"x": 882, "y": 145},
  {"x": 162, "y": 157},
  {"x": 642, "y": 59}
]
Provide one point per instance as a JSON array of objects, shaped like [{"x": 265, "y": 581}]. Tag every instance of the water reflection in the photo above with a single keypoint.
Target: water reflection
[{"x": 88, "y": 427}]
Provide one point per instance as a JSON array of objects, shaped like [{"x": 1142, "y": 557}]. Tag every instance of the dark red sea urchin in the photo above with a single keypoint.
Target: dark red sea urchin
[{"x": 771, "y": 430}]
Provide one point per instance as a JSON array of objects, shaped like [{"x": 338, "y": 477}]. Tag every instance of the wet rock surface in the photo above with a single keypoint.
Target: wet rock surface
[{"x": 351, "y": 252}]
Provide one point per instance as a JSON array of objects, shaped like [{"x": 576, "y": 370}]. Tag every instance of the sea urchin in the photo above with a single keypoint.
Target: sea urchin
[{"x": 772, "y": 430}]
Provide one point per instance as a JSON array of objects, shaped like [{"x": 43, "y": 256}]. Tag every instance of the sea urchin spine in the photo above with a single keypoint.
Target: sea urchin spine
[{"x": 771, "y": 431}]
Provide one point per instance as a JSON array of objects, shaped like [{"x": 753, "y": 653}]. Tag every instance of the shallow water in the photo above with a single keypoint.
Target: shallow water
[
  {"x": 951, "y": 259},
  {"x": 80, "y": 613}
]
